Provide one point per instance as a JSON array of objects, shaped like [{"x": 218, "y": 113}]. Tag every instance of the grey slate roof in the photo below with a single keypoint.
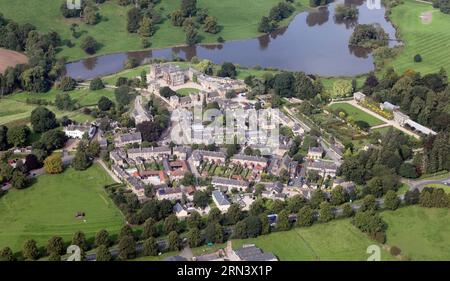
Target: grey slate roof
[
  {"x": 249, "y": 158},
  {"x": 220, "y": 198},
  {"x": 227, "y": 182},
  {"x": 178, "y": 208},
  {"x": 175, "y": 258},
  {"x": 252, "y": 253}
]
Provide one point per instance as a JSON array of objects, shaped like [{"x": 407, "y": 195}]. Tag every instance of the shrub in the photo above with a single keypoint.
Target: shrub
[
  {"x": 417, "y": 58},
  {"x": 96, "y": 84},
  {"x": 395, "y": 251}
]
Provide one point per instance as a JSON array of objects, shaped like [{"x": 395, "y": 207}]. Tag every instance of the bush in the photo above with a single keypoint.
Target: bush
[
  {"x": 417, "y": 58},
  {"x": 67, "y": 84},
  {"x": 395, "y": 251},
  {"x": 96, "y": 84},
  {"x": 408, "y": 170},
  {"x": 380, "y": 237},
  {"x": 89, "y": 45}
]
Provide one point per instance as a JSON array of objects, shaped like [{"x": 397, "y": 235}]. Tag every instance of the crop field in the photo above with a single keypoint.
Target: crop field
[{"x": 10, "y": 58}]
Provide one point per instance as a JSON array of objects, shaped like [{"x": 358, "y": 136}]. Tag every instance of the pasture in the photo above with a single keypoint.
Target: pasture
[{"x": 48, "y": 208}]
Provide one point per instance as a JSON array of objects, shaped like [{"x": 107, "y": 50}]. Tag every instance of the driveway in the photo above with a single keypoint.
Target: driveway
[{"x": 420, "y": 184}]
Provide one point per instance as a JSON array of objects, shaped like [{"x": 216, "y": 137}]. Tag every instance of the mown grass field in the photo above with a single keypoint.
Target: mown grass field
[
  {"x": 49, "y": 206},
  {"x": 14, "y": 109},
  {"x": 238, "y": 19},
  {"x": 421, "y": 233},
  {"x": 14, "y": 112},
  {"x": 357, "y": 114},
  {"x": 187, "y": 91},
  {"x": 431, "y": 41},
  {"x": 446, "y": 188},
  {"x": 337, "y": 240}
]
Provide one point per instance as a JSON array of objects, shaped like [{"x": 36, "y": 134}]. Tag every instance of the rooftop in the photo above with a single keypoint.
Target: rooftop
[
  {"x": 220, "y": 198},
  {"x": 226, "y": 182},
  {"x": 243, "y": 157},
  {"x": 252, "y": 253}
]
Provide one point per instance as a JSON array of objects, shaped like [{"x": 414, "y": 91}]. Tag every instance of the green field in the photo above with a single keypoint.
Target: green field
[
  {"x": 357, "y": 114},
  {"x": 446, "y": 188},
  {"x": 187, "y": 91},
  {"x": 431, "y": 41},
  {"x": 337, "y": 240},
  {"x": 421, "y": 233},
  {"x": 15, "y": 112},
  {"x": 48, "y": 208},
  {"x": 238, "y": 19},
  {"x": 14, "y": 109}
]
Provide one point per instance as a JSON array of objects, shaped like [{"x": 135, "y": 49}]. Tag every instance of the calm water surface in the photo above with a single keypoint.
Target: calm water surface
[{"x": 314, "y": 42}]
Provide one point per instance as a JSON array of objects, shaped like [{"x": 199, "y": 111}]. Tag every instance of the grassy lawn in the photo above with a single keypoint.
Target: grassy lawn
[
  {"x": 430, "y": 40},
  {"x": 421, "y": 233},
  {"x": 337, "y": 240},
  {"x": 357, "y": 114},
  {"x": 436, "y": 176},
  {"x": 403, "y": 189},
  {"x": 384, "y": 130},
  {"x": 48, "y": 207},
  {"x": 238, "y": 20},
  {"x": 187, "y": 91},
  {"x": 84, "y": 97},
  {"x": 446, "y": 188},
  {"x": 14, "y": 110}
]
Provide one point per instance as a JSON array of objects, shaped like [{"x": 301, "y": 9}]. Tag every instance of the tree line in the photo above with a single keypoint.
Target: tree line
[{"x": 422, "y": 97}]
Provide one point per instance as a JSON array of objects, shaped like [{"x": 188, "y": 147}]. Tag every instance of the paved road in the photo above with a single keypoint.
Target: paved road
[
  {"x": 420, "y": 184},
  {"x": 296, "y": 120},
  {"x": 110, "y": 173},
  {"x": 192, "y": 167}
]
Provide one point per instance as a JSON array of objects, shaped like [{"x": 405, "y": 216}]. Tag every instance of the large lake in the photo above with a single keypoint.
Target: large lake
[{"x": 314, "y": 42}]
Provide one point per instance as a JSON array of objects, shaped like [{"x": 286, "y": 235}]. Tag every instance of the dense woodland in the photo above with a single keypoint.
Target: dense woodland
[
  {"x": 425, "y": 98},
  {"x": 368, "y": 36}
]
